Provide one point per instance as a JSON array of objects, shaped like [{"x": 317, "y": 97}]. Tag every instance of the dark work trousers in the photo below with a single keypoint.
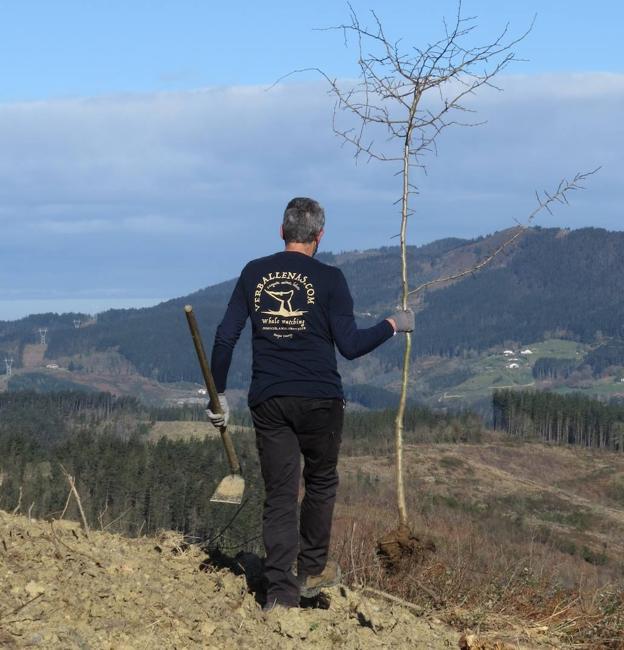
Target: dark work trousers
[{"x": 285, "y": 428}]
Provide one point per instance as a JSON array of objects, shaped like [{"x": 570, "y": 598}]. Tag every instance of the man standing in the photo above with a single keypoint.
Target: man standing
[{"x": 300, "y": 309}]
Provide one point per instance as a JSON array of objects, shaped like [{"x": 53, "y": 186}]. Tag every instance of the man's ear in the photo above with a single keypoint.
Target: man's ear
[
  {"x": 282, "y": 231},
  {"x": 320, "y": 236}
]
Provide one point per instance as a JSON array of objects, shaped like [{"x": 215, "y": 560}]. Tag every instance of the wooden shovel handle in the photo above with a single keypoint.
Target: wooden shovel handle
[{"x": 215, "y": 405}]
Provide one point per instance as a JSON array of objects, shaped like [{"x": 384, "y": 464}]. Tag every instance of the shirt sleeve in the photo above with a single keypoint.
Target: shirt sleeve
[
  {"x": 351, "y": 341},
  {"x": 228, "y": 333}
]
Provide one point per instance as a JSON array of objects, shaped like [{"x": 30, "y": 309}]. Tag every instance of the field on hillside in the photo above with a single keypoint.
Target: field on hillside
[
  {"x": 185, "y": 430},
  {"x": 465, "y": 380},
  {"x": 456, "y": 382},
  {"x": 33, "y": 355},
  {"x": 521, "y": 530},
  {"x": 574, "y": 496},
  {"x": 147, "y": 390}
]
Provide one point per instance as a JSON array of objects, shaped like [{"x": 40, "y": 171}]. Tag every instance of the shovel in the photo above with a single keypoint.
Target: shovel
[{"x": 231, "y": 488}]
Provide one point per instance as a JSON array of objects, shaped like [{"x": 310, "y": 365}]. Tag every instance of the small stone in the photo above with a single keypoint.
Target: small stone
[
  {"x": 207, "y": 628},
  {"x": 35, "y": 639},
  {"x": 34, "y": 589}
]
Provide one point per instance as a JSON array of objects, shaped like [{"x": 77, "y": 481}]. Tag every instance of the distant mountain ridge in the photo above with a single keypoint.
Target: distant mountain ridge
[{"x": 552, "y": 282}]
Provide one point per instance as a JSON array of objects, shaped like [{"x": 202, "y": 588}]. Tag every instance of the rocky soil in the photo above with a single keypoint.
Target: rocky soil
[{"x": 60, "y": 589}]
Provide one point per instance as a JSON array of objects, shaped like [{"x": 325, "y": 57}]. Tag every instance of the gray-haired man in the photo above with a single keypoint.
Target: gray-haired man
[{"x": 300, "y": 310}]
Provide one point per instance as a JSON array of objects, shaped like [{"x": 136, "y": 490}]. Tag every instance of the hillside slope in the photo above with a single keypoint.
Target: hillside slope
[
  {"x": 551, "y": 283},
  {"x": 62, "y": 591}
]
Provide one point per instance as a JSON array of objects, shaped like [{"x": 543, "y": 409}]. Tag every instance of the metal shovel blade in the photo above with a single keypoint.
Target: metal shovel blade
[{"x": 230, "y": 490}]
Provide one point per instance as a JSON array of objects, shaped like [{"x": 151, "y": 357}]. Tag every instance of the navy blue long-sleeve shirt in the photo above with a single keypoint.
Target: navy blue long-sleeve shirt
[{"x": 300, "y": 309}]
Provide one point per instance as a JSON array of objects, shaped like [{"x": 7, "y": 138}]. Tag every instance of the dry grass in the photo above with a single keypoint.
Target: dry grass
[
  {"x": 186, "y": 430},
  {"x": 524, "y": 538}
]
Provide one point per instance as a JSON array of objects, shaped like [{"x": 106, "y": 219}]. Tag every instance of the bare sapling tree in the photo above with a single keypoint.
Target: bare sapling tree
[{"x": 403, "y": 99}]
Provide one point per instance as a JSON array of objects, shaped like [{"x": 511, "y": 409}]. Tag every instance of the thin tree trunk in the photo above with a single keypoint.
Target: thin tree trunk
[{"x": 398, "y": 429}]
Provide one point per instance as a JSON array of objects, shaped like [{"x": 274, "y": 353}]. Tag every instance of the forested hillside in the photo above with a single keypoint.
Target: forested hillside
[
  {"x": 141, "y": 484},
  {"x": 568, "y": 283},
  {"x": 553, "y": 282},
  {"x": 562, "y": 419}
]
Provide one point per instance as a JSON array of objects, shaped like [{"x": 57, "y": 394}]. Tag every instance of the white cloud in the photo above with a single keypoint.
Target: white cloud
[
  {"x": 172, "y": 182},
  {"x": 75, "y": 226}
]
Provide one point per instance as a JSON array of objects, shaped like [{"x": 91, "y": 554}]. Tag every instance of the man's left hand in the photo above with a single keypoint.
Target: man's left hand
[{"x": 402, "y": 320}]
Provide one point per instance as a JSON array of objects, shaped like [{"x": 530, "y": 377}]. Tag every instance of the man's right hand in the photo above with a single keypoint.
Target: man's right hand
[
  {"x": 219, "y": 420},
  {"x": 402, "y": 320}
]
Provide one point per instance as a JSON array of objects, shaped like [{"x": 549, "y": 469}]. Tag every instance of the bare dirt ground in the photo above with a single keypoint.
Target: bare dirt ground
[
  {"x": 33, "y": 354},
  {"x": 62, "y": 590}
]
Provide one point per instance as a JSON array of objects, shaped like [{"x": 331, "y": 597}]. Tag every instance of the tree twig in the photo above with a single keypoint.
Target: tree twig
[
  {"x": 24, "y": 605},
  {"x": 19, "y": 502},
  {"x": 74, "y": 491},
  {"x": 543, "y": 204},
  {"x": 66, "y": 504},
  {"x": 114, "y": 521},
  {"x": 400, "y": 601},
  {"x": 58, "y": 540}
]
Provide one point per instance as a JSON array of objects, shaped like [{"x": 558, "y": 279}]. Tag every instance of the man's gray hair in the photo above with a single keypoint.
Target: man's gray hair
[{"x": 303, "y": 220}]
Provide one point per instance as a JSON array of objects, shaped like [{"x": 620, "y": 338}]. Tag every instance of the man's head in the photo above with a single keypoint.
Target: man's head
[{"x": 303, "y": 222}]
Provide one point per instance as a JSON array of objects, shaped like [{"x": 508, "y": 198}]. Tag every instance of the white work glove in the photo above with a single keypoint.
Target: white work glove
[
  {"x": 403, "y": 320},
  {"x": 220, "y": 419}
]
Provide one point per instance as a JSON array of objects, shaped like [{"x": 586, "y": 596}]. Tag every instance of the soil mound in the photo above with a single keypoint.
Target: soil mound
[{"x": 62, "y": 590}]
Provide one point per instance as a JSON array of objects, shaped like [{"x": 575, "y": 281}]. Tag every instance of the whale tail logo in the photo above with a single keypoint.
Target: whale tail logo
[{"x": 284, "y": 299}]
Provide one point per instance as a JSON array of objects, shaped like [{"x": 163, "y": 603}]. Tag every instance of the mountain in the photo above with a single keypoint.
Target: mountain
[{"x": 552, "y": 283}]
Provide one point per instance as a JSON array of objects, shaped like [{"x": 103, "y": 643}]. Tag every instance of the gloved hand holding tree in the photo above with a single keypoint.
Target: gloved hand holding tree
[{"x": 402, "y": 320}]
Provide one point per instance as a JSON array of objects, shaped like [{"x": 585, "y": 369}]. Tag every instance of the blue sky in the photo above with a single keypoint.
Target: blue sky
[
  {"x": 91, "y": 47},
  {"x": 141, "y": 156}
]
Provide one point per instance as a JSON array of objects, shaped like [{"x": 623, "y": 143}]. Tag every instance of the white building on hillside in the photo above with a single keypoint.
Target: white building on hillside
[
  {"x": 508, "y": 352},
  {"x": 527, "y": 351},
  {"x": 513, "y": 365}
]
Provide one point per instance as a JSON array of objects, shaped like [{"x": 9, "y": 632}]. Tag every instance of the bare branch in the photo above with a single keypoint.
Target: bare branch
[
  {"x": 74, "y": 491},
  {"x": 19, "y": 502},
  {"x": 559, "y": 196}
]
